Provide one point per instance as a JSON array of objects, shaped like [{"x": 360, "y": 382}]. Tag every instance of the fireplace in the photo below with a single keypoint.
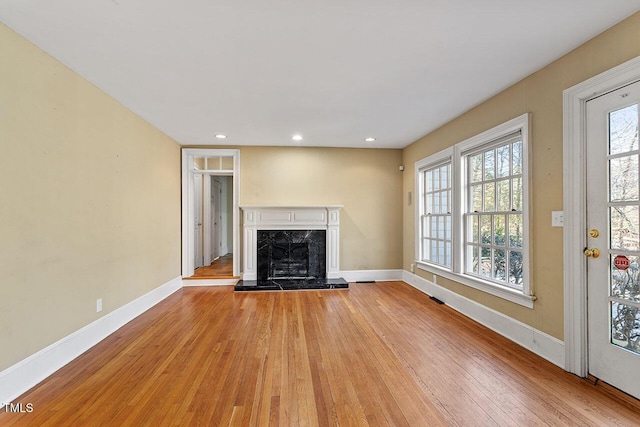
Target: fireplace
[
  {"x": 291, "y": 255},
  {"x": 291, "y": 248}
]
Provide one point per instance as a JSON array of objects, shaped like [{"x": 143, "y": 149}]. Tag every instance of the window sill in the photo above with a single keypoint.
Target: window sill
[{"x": 487, "y": 287}]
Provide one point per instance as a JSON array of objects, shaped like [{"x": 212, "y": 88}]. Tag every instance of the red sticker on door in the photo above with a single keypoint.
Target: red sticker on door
[{"x": 621, "y": 262}]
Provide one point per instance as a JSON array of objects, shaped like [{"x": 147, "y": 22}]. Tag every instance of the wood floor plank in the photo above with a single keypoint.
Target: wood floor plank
[{"x": 376, "y": 354}]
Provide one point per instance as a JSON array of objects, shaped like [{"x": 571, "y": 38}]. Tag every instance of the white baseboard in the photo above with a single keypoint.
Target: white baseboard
[
  {"x": 542, "y": 344},
  {"x": 370, "y": 275},
  {"x": 209, "y": 282},
  {"x": 19, "y": 378}
]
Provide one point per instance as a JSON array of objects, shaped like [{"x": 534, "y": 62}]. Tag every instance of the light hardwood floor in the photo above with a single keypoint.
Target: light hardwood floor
[{"x": 376, "y": 354}]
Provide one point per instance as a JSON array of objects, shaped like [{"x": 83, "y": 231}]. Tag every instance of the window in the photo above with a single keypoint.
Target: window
[
  {"x": 436, "y": 218},
  {"x": 494, "y": 231},
  {"x": 472, "y": 212}
]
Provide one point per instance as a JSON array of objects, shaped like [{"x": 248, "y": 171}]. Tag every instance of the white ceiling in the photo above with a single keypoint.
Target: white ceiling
[{"x": 335, "y": 71}]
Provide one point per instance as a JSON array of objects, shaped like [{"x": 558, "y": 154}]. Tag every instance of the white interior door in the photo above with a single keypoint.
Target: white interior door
[
  {"x": 197, "y": 223},
  {"x": 613, "y": 227},
  {"x": 216, "y": 217}
]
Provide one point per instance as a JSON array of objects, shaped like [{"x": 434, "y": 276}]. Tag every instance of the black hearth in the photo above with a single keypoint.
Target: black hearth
[{"x": 291, "y": 259}]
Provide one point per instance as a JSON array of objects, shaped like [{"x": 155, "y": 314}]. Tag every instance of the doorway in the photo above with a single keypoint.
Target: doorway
[
  {"x": 613, "y": 241},
  {"x": 593, "y": 282},
  {"x": 210, "y": 213}
]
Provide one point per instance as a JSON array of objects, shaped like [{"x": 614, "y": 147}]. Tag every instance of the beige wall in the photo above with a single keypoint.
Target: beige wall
[
  {"x": 89, "y": 202},
  {"x": 540, "y": 94},
  {"x": 366, "y": 181}
]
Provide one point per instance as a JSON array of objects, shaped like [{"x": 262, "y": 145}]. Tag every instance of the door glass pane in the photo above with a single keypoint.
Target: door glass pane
[
  {"x": 623, "y": 130},
  {"x": 623, "y": 178},
  {"x": 624, "y": 282},
  {"x": 624, "y": 227},
  {"x": 625, "y": 326}
]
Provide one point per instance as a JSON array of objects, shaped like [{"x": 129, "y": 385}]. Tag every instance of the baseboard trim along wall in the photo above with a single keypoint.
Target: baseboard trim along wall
[
  {"x": 209, "y": 282},
  {"x": 19, "y": 378},
  {"x": 542, "y": 344},
  {"x": 370, "y": 275}
]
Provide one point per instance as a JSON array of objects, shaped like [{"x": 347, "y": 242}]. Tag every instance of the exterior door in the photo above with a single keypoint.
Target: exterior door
[{"x": 613, "y": 228}]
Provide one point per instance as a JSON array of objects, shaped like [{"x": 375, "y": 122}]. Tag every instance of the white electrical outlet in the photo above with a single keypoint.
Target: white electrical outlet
[
  {"x": 99, "y": 305},
  {"x": 413, "y": 268},
  {"x": 557, "y": 218}
]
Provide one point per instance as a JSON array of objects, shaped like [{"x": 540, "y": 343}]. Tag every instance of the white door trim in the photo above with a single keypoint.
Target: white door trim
[
  {"x": 575, "y": 206},
  {"x": 188, "y": 154}
]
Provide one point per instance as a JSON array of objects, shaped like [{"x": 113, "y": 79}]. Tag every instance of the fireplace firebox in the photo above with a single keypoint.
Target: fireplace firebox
[{"x": 291, "y": 254}]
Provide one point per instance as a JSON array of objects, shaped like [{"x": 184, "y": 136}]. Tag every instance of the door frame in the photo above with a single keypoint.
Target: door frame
[
  {"x": 575, "y": 206},
  {"x": 188, "y": 154}
]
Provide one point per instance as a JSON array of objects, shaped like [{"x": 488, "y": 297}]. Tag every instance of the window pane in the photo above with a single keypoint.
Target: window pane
[
  {"x": 426, "y": 246},
  {"x": 516, "y": 203},
  {"x": 515, "y": 268},
  {"x": 515, "y": 230},
  {"x": 517, "y": 157},
  {"x": 435, "y": 209},
  {"x": 476, "y": 198},
  {"x": 485, "y": 229},
  {"x": 429, "y": 198},
  {"x": 499, "y": 265},
  {"x": 624, "y": 227},
  {"x": 489, "y": 164},
  {"x": 429, "y": 180},
  {"x": 503, "y": 161},
  {"x": 444, "y": 202},
  {"x": 447, "y": 227},
  {"x": 623, "y": 178},
  {"x": 436, "y": 179},
  {"x": 623, "y": 130},
  {"x": 447, "y": 249},
  {"x": 444, "y": 176},
  {"x": 475, "y": 172},
  {"x": 498, "y": 230},
  {"x": 475, "y": 260},
  {"x": 475, "y": 228},
  {"x": 490, "y": 196},
  {"x": 504, "y": 196},
  {"x": 485, "y": 262}
]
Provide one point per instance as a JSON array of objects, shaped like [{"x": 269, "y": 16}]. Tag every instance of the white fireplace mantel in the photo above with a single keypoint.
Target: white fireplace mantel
[{"x": 290, "y": 218}]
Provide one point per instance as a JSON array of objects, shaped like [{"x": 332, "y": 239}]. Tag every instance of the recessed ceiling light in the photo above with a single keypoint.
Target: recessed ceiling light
[
  {"x": 221, "y": 136},
  {"x": 369, "y": 139},
  {"x": 297, "y": 137}
]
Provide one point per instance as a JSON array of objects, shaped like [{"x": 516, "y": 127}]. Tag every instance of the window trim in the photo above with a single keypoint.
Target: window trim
[{"x": 457, "y": 153}]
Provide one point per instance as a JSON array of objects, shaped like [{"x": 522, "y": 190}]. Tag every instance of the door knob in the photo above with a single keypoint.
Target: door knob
[{"x": 593, "y": 252}]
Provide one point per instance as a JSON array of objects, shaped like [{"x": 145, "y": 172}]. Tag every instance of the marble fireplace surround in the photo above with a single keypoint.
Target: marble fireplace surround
[{"x": 290, "y": 218}]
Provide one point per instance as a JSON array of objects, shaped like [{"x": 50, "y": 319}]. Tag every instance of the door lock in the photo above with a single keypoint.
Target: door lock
[
  {"x": 594, "y": 233},
  {"x": 593, "y": 252}
]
